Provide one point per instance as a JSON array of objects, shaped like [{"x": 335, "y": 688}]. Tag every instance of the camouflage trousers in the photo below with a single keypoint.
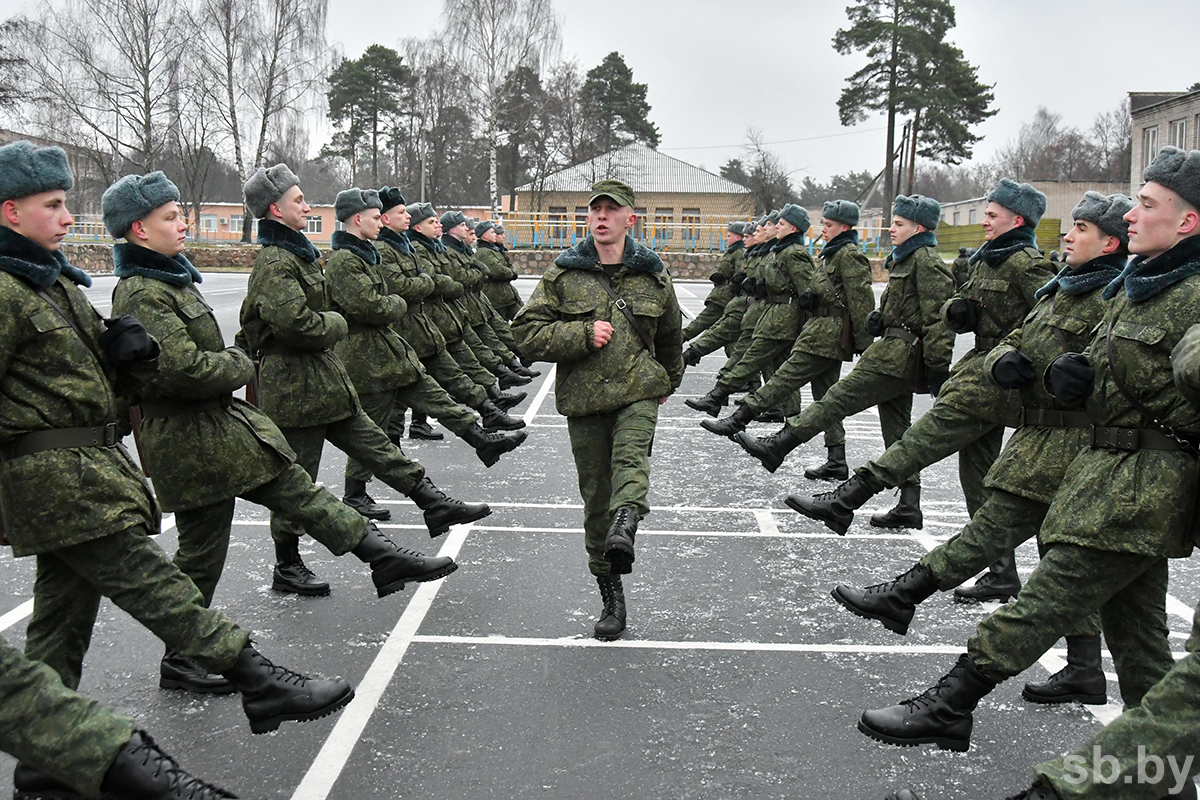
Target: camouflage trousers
[
  {"x": 359, "y": 438},
  {"x": 725, "y": 332},
  {"x": 762, "y": 357},
  {"x": 488, "y": 336},
  {"x": 484, "y": 354},
  {"x": 707, "y": 317},
  {"x": 204, "y": 531},
  {"x": 1004, "y": 521},
  {"x": 133, "y": 572},
  {"x": 464, "y": 355},
  {"x": 1070, "y": 584},
  {"x": 940, "y": 432},
  {"x": 1166, "y": 724},
  {"x": 612, "y": 457},
  {"x": 783, "y": 389},
  {"x": 423, "y": 396},
  {"x": 442, "y": 367},
  {"x": 858, "y": 391},
  {"x": 501, "y": 329},
  {"x": 52, "y": 728}
]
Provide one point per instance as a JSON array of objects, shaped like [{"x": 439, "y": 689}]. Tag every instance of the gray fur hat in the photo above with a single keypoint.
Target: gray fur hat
[
  {"x": 484, "y": 227},
  {"x": 132, "y": 198},
  {"x": 773, "y": 217},
  {"x": 734, "y": 227},
  {"x": 1179, "y": 171},
  {"x": 389, "y": 198},
  {"x": 266, "y": 186},
  {"x": 27, "y": 169},
  {"x": 797, "y": 216},
  {"x": 355, "y": 201},
  {"x": 451, "y": 219},
  {"x": 925, "y": 211},
  {"x": 843, "y": 211},
  {"x": 420, "y": 212},
  {"x": 1105, "y": 213},
  {"x": 1020, "y": 198}
]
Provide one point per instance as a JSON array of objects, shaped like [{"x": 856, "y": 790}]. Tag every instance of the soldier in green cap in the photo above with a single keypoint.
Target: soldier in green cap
[
  {"x": 606, "y": 313},
  {"x": 961, "y": 268},
  {"x": 70, "y": 493},
  {"x": 288, "y": 324}
]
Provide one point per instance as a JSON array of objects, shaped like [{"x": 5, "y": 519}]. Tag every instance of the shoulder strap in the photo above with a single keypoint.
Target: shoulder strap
[{"x": 621, "y": 304}]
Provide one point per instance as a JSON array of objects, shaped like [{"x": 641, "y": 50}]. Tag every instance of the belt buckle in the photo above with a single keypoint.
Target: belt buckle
[
  {"x": 621, "y": 304},
  {"x": 1092, "y": 439},
  {"x": 1129, "y": 438},
  {"x": 110, "y": 434}
]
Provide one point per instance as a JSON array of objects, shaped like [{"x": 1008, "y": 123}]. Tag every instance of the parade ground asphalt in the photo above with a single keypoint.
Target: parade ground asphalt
[{"x": 738, "y": 675}]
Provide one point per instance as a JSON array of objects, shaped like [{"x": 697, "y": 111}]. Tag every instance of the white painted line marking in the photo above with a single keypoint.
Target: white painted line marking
[
  {"x": 539, "y": 398},
  {"x": 767, "y": 525},
  {"x": 331, "y": 760}
]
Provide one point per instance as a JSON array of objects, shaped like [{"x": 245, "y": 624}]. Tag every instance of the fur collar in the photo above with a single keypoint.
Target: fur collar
[
  {"x": 275, "y": 234},
  {"x": 458, "y": 245},
  {"x": 1006, "y": 244},
  {"x": 344, "y": 240},
  {"x": 910, "y": 246},
  {"x": 738, "y": 245},
  {"x": 132, "y": 259},
  {"x": 396, "y": 240},
  {"x": 432, "y": 245},
  {"x": 838, "y": 242},
  {"x": 1147, "y": 277},
  {"x": 638, "y": 258},
  {"x": 490, "y": 246},
  {"x": 1092, "y": 275},
  {"x": 787, "y": 241},
  {"x": 35, "y": 264}
]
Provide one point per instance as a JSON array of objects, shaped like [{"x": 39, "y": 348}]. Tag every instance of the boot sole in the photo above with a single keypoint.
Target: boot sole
[
  {"x": 833, "y": 525},
  {"x": 708, "y": 411},
  {"x": 289, "y": 589},
  {"x": 395, "y": 586},
  {"x": 969, "y": 599},
  {"x": 1086, "y": 699},
  {"x": 608, "y": 637},
  {"x": 894, "y": 526},
  {"x": 515, "y": 425},
  {"x": 711, "y": 427},
  {"x": 435, "y": 437},
  {"x": 813, "y": 475},
  {"x": 492, "y": 457},
  {"x": 184, "y": 686},
  {"x": 272, "y": 723},
  {"x": 956, "y": 745},
  {"x": 887, "y": 622},
  {"x": 379, "y": 516},
  {"x": 620, "y": 558},
  {"x": 439, "y": 530}
]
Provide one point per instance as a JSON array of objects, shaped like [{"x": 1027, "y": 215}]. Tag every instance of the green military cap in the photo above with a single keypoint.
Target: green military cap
[
  {"x": 355, "y": 201},
  {"x": 773, "y": 217},
  {"x": 266, "y": 186},
  {"x": 27, "y": 169},
  {"x": 925, "y": 211},
  {"x": 619, "y": 192},
  {"x": 451, "y": 219}
]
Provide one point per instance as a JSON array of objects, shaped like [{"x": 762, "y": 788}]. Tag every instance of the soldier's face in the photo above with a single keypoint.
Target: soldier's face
[
  {"x": 42, "y": 218},
  {"x": 903, "y": 229},
  {"x": 731, "y": 238},
  {"x": 768, "y": 231},
  {"x": 1084, "y": 242},
  {"x": 291, "y": 210},
  {"x": 784, "y": 229},
  {"x": 831, "y": 228},
  {"x": 428, "y": 227},
  {"x": 370, "y": 222},
  {"x": 609, "y": 221},
  {"x": 459, "y": 231},
  {"x": 398, "y": 219},
  {"x": 163, "y": 230},
  {"x": 490, "y": 236},
  {"x": 998, "y": 220},
  {"x": 1158, "y": 220}
]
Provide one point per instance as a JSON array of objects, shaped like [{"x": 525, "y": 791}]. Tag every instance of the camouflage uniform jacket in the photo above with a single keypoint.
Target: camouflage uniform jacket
[
  {"x": 756, "y": 265},
  {"x": 445, "y": 306},
  {"x": 498, "y": 275},
  {"x": 287, "y": 323},
  {"x": 556, "y": 325},
  {"x": 220, "y": 450},
  {"x": 51, "y": 378},
  {"x": 722, "y": 291},
  {"x": 376, "y": 357},
  {"x": 470, "y": 275},
  {"x": 789, "y": 274},
  {"x": 918, "y": 284},
  {"x": 407, "y": 278},
  {"x": 842, "y": 277},
  {"x": 1035, "y": 458},
  {"x": 1185, "y": 363},
  {"x": 1139, "y": 501}
]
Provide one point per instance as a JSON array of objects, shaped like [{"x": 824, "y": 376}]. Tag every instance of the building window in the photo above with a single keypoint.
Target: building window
[
  {"x": 972, "y": 216},
  {"x": 235, "y": 222},
  {"x": 639, "y": 227},
  {"x": 957, "y": 214},
  {"x": 691, "y": 222},
  {"x": 581, "y": 224},
  {"x": 1149, "y": 145},
  {"x": 314, "y": 225},
  {"x": 208, "y": 222},
  {"x": 558, "y": 215},
  {"x": 1179, "y": 134},
  {"x": 663, "y": 218}
]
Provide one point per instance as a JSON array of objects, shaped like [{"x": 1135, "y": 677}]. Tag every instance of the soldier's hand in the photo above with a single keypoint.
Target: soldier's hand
[
  {"x": 718, "y": 279},
  {"x": 691, "y": 357},
  {"x": 936, "y": 381},
  {"x": 760, "y": 287},
  {"x": 874, "y": 323},
  {"x": 126, "y": 340},
  {"x": 601, "y": 333},
  {"x": 1070, "y": 378},
  {"x": 737, "y": 279},
  {"x": 809, "y": 300},
  {"x": 963, "y": 315},
  {"x": 1013, "y": 370}
]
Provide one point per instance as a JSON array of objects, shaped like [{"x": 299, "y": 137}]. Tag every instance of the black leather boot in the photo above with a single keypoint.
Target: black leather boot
[
  {"x": 835, "y": 509},
  {"x": 142, "y": 771},
  {"x": 769, "y": 450},
  {"x": 504, "y": 400},
  {"x": 1000, "y": 582},
  {"x": 508, "y": 379},
  {"x": 392, "y": 566},
  {"x": 618, "y": 545},
  {"x": 734, "y": 423},
  {"x": 1080, "y": 681},
  {"x": 612, "y": 619},
  {"x": 711, "y": 403},
  {"x": 30, "y": 783},
  {"x": 893, "y": 602},
  {"x": 272, "y": 694},
  {"x": 525, "y": 372},
  {"x": 490, "y": 445},
  {"x": 772, "y": 416},
  {"x": 940, "y": 715},
  {"x": 357, "y": 498},
  {"x": 442, "y": 511},
  {"x": 905, "y": 514},
  {"x": 493, "y": 418},
  {"x": 291, "y": 573},
  {"x": 421, "y": 429},
  {"x": 834, "y": 468},
  {"x": 177, "y": 672}
]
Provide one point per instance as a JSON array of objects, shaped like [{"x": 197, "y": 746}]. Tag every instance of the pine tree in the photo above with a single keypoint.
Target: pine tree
[{"x": 616, "y": 108}]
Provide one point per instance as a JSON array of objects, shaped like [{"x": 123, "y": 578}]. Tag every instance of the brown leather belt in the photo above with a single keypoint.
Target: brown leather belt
[
  {"x": 1049, "y": 418},
  {"x": 901, "y": 333},
  {"x": 985, "y": 343},
  {"x": 58, "y": 438},
  {"x": 176, "y": 407},
  {"x": 1132, "y": 439}
]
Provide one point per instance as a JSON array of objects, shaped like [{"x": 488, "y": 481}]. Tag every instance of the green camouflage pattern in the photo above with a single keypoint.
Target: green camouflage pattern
[
  {"x": 726, "y": 330},
  {"x": 1006, "y": 290},
  {"x": 1141, "y": 501},
  {"x": 757, "y": 265},
  {"x": 961, "y": 271},
  {"x": 1185, "y": 363},
  {"x": 462, "y": 268},
  {"x": 715, "y": 301},
  {"x": 787, "y": 275},
  {"x": 445, "y": 306},
  {"x": 843, "y": 281},
  {"x": 210, "y": 455},
  {"x": 408, "y": 279},
  {"x": 498, "y": 279}
]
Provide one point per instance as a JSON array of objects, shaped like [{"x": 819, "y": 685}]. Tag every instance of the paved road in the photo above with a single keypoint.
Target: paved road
[{"x": 739, "y": 676}]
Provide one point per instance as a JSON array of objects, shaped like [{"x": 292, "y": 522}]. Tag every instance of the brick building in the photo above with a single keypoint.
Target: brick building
[{"x": 1161, "y": 119}]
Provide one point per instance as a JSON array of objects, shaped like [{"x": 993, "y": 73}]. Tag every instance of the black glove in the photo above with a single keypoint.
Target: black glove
[
  {"x": 737, "y": 279},
  {"x": 808, "y": 300},
  {"x": 1013, "y": 370},
  {"x": 963, "y": 315},
  {"x": 936, "y": 379},
  {"x": 760, "y": 287},
  {"x": 1071, "y": 378},
  {"x": 718, "y": 279},
  {"x": 126, "y": 340},
  {"x": 691, "y": 357},
  {"x": 874, "y": 323}
]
